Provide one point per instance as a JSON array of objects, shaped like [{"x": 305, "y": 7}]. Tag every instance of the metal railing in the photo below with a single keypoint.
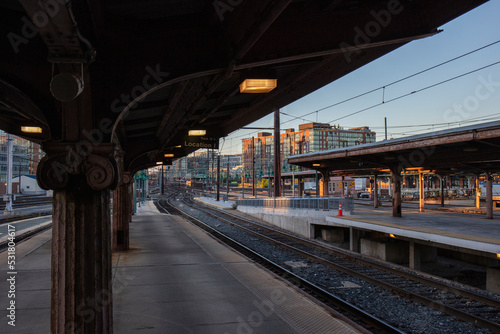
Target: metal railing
[{"x": 314, "y": 203}]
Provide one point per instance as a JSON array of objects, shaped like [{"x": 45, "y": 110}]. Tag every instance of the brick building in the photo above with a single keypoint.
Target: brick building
[{"x": 311, "y": 137}]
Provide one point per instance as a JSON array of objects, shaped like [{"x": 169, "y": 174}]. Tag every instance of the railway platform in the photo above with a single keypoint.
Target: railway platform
[
  {"x": 459, "y": 230},
  {"x": 416, "y": 238},
  {"x": 174, "y": 279},
  {"x": 419, "y": 237}
]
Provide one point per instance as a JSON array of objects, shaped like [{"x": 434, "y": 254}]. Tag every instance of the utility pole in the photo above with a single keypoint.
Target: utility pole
[
  {"x": 269, "y": 178},
  {"x": 227, "y": 180},
  {"x": 243, "y": 185},
  {"x": 10, "y": 153},
  {"x": 253, "y": 167},
  {"x": 277, "y": 154},
  {"x": 207, "y": 175},
  {"x": 162, "y": 182},
  {"x": 218, "y": 177},
  {"x": 385, "y": 126},
  {"x": 212, "y": 171}
]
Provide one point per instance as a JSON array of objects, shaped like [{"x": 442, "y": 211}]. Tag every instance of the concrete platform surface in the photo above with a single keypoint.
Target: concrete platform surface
[
  {"x": 470, "y": 231},
  {"x": 175, "y": 279},
  {"x": 221, "y": 204}
]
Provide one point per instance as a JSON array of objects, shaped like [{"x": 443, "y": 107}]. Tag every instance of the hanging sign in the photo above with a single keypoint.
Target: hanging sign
[{"x": 201, "y": 142}]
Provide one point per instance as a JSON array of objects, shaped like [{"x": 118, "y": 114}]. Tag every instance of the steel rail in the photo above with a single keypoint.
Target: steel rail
[
  {"x": 293, "y": 278},
  {"x": 437, "y": 305}
]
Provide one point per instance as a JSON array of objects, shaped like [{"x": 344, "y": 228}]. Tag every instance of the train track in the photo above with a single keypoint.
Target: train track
[
  {"x": 337, "y": 306},
  {"x": 464, "y": 304},
  {"x": 28, "y": 201}
]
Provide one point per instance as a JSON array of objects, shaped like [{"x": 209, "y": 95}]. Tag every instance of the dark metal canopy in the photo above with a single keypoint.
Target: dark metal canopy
[
  {"x": 472, "y": 149},
  {"x": 152, "y": 70}
]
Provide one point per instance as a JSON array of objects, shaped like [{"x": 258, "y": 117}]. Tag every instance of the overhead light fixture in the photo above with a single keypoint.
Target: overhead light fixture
[
  {"x": 168, "y": 155},
  {"x": 178, "y": 146},
  {"x": 258, "y": 85},
  {"x": 471, "y": 149},
  {"x": 159, "y": 162},
  {"x": 316, "y": 165},
  {"x": 31, "y": 129},
  {"x": 197, "y": 132},
  {"x": 66, "y": 86}
]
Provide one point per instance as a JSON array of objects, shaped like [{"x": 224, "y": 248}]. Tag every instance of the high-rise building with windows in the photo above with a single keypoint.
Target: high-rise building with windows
[
  {"x": 311, "y": 137},
  {"x": 203, "y": 164},
  {"x": 25, "y": 159}
]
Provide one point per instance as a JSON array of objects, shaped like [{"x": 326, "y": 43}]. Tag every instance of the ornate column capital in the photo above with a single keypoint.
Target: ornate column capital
[
  {"x": 127, "y": 178},
  {"x": 65, "y": 161}
]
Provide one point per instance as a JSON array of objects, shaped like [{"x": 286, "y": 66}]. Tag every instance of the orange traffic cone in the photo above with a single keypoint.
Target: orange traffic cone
[{"x": 340, "y": 211}]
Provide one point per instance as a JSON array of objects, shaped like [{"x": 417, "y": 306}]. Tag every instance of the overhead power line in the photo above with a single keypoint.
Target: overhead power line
[
  {"x": 302, "y": 117},
  {"x": 415, "y": 91},
  {"x": 392, "y": 83}
]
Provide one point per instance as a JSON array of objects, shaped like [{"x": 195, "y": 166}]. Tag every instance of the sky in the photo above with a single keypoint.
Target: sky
[{"x": 470, "y": 99}]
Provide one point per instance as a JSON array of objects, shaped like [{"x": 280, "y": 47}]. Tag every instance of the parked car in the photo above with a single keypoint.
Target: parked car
[{"x": 363, "y": 194}]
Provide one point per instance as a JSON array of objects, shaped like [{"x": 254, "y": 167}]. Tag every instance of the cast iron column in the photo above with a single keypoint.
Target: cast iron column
[
  {"x": 324, "y": 182},
  {"x": 421, "y": 191},
  {"x": 478, "y": 190},
  {"x": 442, "y": 190},
  {"x": 375, "y": 191},
  {"x": 342, "y": 189},
  {"x": 396, "y": 191},
  {"x": 121, "y": 214},
  {"x": 489, "y": 196},
  {"x": 81, "y": 235}
]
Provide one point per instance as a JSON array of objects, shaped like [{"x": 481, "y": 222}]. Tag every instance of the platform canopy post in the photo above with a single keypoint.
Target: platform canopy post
[
  {"x": 81, "y": 168},
  {"x": 489, "y": 195},
  {"x": 375, "y": 191},
  {"x": 300, "y": 186},
  {"x": 396, "y": 190},
  {"x": 342, "y": 186},
  {"x": 81, "y": 296},
  {"x": 122, "y": 213},
  {"x": 478, "y": 193},
  {"x": 421, "y": 191},
  {"x": 325, "y": 180}
]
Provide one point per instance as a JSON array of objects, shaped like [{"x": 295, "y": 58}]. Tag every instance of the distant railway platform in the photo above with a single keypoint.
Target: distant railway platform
[
  {"x": 419, "y": 237},
  {"x": 459, "y": 232},
  {"x": 471, "y": 231}
]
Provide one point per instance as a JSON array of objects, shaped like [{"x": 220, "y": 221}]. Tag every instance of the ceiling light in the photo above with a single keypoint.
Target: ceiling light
[
  {"x": 258, "y": 85},
  {"x": 316, "y": 165},
  {"x": 178, "y": 146},
  {"x": 66, "y": 86},
  {"x": 197, "y": 132},
  {"x": 471, "y": 149},
  {"x": 168, "y": 155},
  {"x": 159, "y": 162},
  {"x": 31, "y": 129}
]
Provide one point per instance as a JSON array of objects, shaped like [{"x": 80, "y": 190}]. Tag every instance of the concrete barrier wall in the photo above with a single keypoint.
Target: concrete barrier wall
[{"x": 299, "y": 221}]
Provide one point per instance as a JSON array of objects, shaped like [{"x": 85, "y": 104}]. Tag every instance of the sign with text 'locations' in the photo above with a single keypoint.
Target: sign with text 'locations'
[{"x": 201, "y": 142}]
